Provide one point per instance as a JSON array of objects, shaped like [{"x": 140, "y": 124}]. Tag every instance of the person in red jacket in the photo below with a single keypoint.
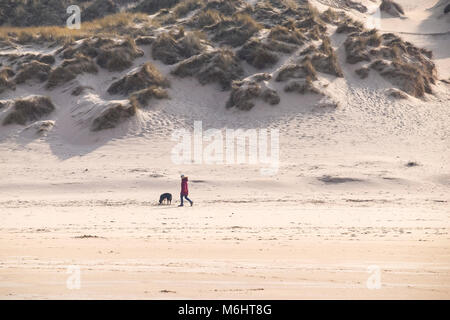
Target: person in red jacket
[{"x": 184, "y": 191}]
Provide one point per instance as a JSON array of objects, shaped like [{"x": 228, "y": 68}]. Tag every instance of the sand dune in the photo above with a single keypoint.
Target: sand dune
[{"x": 363, "y": 185}]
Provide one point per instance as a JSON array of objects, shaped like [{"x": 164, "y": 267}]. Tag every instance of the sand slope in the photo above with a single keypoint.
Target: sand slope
[{"x": 343, "y": 200}]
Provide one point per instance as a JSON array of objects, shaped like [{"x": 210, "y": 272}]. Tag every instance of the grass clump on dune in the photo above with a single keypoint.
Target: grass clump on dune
[
  {"x": 391, "y": 7},
  {"x": 109, "y": 53},
  {"x": 142, "y": 98},
  {"x": 220, "y": 66},
  {"x": 192, "y": 43},
  {"x": 356, "y": 49},
  {"x": 226, "y": 7},
  {"x": 70, "y": 69},
  {"x": 119, "y": 57},
  {"x": 302, "y": 86},
  {"x": 147, "y": 76},
  {"x": 33, "y": 70},
  {"x": 326, "y": 60},
  {"x": 330, "y": 16},
  {"x": 323, "y": 59},
  {"x": 112, "y": 116},
  {"x": 170, "y": 16},
  {"x": 363, "y": 72},
  {"x": 283, "y": 4},
  {"x": 292, "y": 36},
  {"x": 257, "y": 54},
  {"x": 245, "y": 91},
  {"x": 184, "y": 7},
  {"x": 235, "y": 30},
  {"x": 349, "y": 25},
  {"x": 265, "y": 13},
  {"x": 408, "y": 77},
  {"x": 172, "y": 48},
  {"x": 401, "y": 63},
  {"x": 6, "y": 83},
  {"x": 297, "y": 71},
  {"x": 206, "y": 18},
  {"x": 29, "y": 109}
]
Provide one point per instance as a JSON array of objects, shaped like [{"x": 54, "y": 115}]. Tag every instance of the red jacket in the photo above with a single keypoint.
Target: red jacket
[{"x": 184, "y": 186}]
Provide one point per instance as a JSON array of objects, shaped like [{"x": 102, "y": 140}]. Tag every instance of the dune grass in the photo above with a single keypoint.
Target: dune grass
[
  {"x": 61, "y": 34},
  {"x": 184, "y": 7}
]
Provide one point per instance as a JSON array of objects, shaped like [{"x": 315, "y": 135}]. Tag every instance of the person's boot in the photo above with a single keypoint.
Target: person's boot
[{"x": 192, "y": 203}]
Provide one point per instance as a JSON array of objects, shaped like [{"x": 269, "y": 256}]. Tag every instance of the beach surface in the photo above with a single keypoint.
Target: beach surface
[{"x": 299, "y": 235}]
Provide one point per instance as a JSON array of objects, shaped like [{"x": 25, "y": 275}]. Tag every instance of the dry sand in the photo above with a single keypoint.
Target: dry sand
[
  {"x": 284, "y": 237},
  {"x": 343, "y": 200}
]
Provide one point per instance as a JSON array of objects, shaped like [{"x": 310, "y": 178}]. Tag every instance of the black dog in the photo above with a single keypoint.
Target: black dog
[{"x": 167, "y": 197}]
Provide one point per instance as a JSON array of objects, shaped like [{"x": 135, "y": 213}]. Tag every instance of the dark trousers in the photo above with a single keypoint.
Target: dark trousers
[{"x": 186, "y": 197}]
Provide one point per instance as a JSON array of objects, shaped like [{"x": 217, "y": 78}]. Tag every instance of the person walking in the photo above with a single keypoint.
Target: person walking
[{"x": 184, "y": 191}]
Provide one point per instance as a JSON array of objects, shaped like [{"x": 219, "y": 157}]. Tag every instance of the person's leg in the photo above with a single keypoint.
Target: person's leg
[
  {"x": 181, "y": 197},
  {"x": 190, "y": 201}
]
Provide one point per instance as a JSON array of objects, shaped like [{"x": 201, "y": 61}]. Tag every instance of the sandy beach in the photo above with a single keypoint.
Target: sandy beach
[
  {"x": 247, "y": 236},
  {"x": 358, "y": 206}
]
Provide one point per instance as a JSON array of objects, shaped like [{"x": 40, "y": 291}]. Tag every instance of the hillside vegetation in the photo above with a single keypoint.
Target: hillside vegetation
[{"x": 259, "y": 53}]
